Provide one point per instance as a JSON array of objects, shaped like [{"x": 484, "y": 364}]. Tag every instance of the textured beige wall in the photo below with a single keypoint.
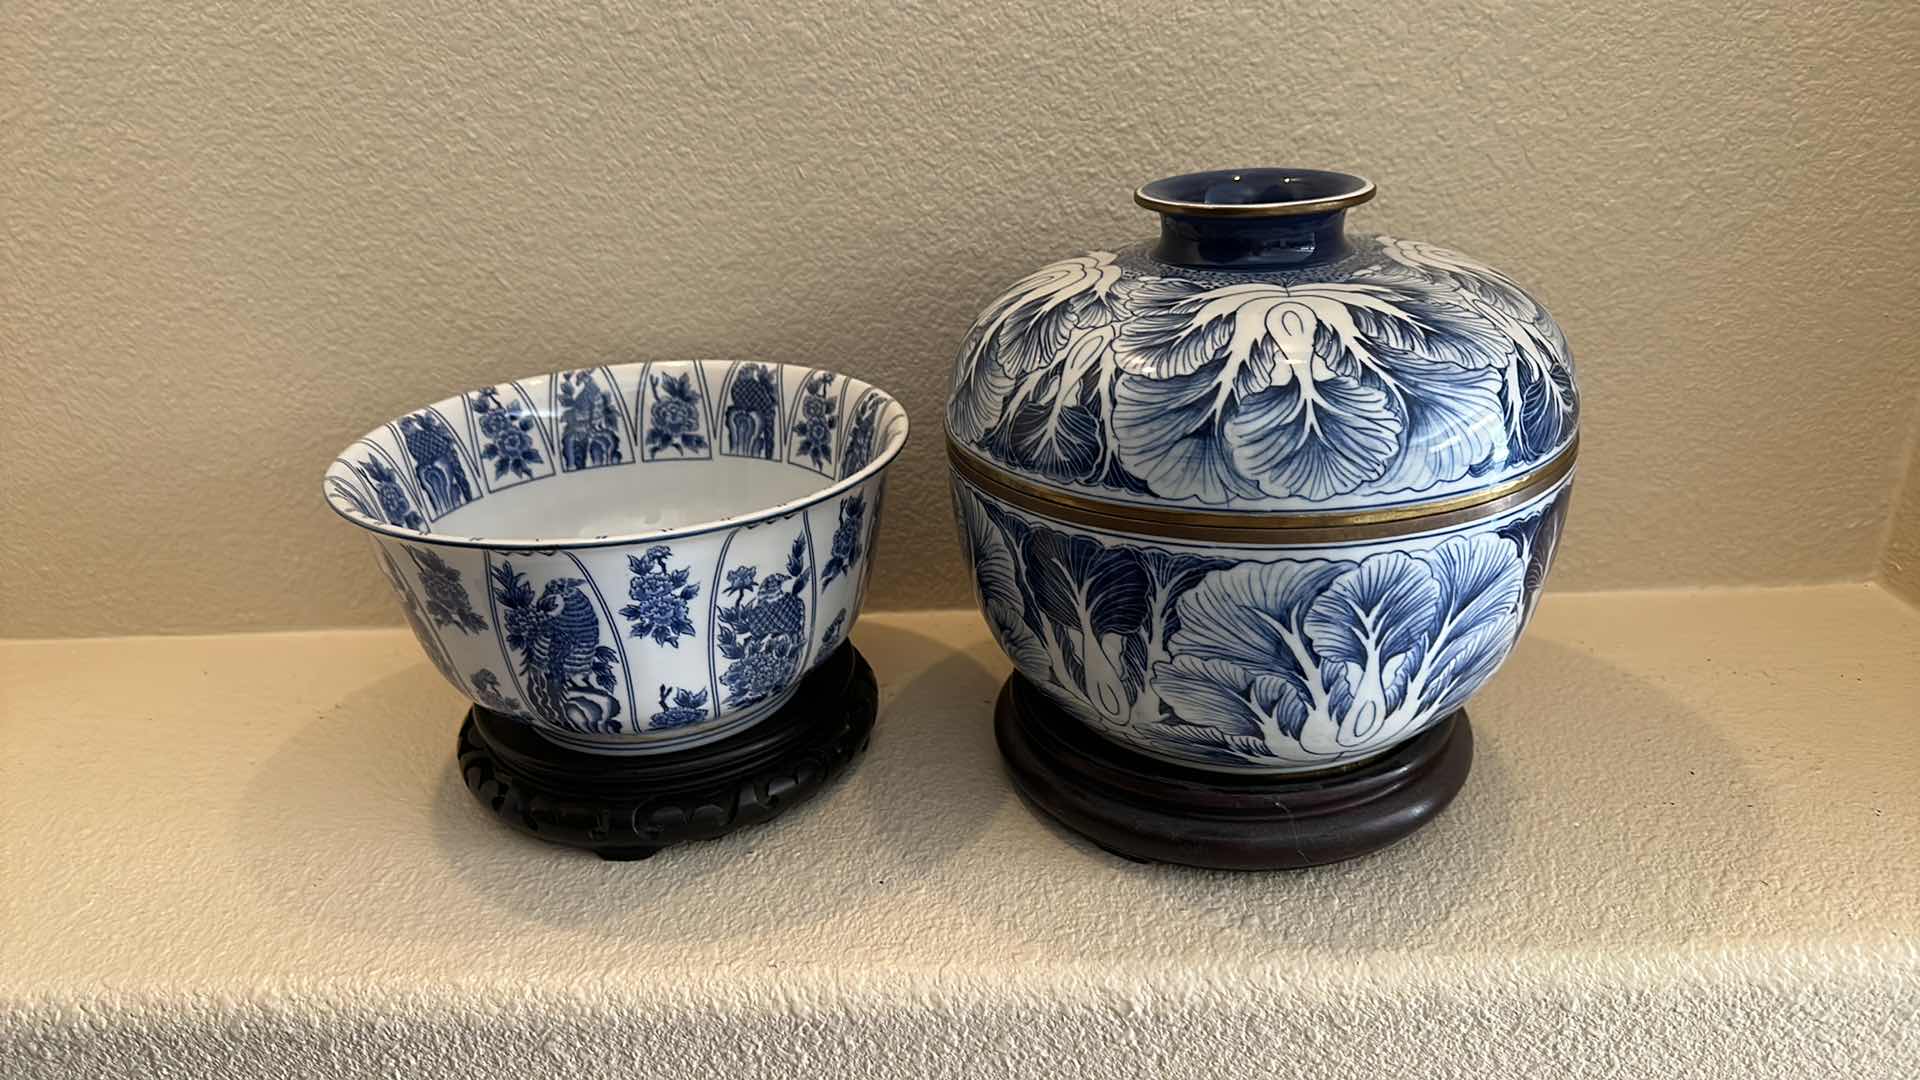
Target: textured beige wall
[
  {"x": 1901, "y": 566},
  {"x": 237, "y": 235}
]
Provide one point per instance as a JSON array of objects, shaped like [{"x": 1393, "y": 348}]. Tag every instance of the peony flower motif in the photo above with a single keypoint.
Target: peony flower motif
[
  {"x": 815, "y": 428},
  {"x": 394, "y": 504},
  {"x": 513, "y": 444},
  {"x": 741, "y": 579},
  {"x": 660, "y": 598},
  {"x": 1541, "y": 404},
  {"x": 674, "y": 416},
  {"x": 764, "y": 669},
  {"x": 1024, "y": 331},
  {"x": 678, "y": 708},
  {"x": 1305, "y": 391},
  {"x": 506, "y": 428},
  {"x": 447, "y": 602}
]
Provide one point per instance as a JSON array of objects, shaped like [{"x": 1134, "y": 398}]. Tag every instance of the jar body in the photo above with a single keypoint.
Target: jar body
[
  {"x": 1254, "y": 511},
  {"x": 1252, "y": 657}
]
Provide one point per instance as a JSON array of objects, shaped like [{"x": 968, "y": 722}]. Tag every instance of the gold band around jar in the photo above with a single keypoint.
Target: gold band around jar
[{"x": 1257, "y": 528}]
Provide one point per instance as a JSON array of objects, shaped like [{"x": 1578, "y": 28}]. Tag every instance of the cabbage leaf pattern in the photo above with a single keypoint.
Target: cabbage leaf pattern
[
  {"x": 1286, "y": 663},
  {"x": 1418, "y": 368}
]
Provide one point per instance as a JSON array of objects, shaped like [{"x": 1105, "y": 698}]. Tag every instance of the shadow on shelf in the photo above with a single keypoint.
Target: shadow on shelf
[
  {"x": 1562, "y": 807},
  {"x": 1596, "y": 800},
  {"x": 361, "y": 821}
]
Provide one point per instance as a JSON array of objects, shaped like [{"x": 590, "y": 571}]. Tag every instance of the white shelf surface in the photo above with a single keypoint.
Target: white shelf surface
[{"x": 1690, "y": 846}]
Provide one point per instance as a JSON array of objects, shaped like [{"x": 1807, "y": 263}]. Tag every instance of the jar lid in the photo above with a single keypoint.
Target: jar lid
[{"x": 1258, "y": 369}]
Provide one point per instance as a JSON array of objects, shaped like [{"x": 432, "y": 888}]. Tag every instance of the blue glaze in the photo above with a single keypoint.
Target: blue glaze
[
  {"x": 861, "y": 440},
  {"x": 1263, "y": 187},
  {"x": 1262, "y": 242},
  {"x": 1256, "y": 361},
  {"x": 510, "y": 440},
  {"x": 763, "y": 632},
  {"x": 676, "y": 418},
  {"x": 574, "y": 635},
  {"x": 1257, "y": 659},
  {"x": 660, "y": 598},
  {"x": 567, "y": 674},
  {"x": 1368, "y": 374},
  {"x": 1252, "y": 243},
  {"x": 589, "y": 422},
  {"x": 836, "y": 630}
]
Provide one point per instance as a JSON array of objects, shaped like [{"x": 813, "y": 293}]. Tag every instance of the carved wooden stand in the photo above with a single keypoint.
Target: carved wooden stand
[
  {"x": 631, "y": 806},
  {"x": 1150, "y": 811}
]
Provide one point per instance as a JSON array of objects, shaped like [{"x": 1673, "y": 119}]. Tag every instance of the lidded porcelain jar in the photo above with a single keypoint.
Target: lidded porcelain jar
[{"x": 1261, "y": 495}]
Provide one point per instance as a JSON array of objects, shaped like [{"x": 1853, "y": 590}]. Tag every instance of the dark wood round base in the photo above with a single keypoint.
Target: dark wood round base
[
  {"x": 631, "y": 806},
  {"x": 1149, "y": 811}
]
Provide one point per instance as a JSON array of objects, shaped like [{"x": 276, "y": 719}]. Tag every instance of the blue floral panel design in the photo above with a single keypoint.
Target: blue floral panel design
[
  {"x": 763, "y": 628},
  {"x": 440, "y": 465},
  {"x": 588, "y": 418},
  {"x": 447, "y": 601},
  {"x": 675, "y": 413},
  {"x": 844, "y": 558},
  {"x": 863, "y": 435},
  {"x": 752, "y": 417},
  {"x": 568, "y": 677},
  {"x": 417, "y": 618},
  {"x": 678, "y": 708},
  {"x": 817, "y": 417},
  {"x": 513, "y": 446},
  {"x": 548, "y": 608},
  {"x": 396, "y": 506},
  {"x": 660, "y": 598}
]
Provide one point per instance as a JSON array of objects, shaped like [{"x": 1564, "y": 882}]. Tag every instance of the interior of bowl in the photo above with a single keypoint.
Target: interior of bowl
[{"x": 617, "y": 454}]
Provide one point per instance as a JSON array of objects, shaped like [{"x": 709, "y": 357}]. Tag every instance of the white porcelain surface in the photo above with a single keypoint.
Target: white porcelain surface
[
  {"x": 634, "y": 558},
  {"x": 1268, "y": 658}
]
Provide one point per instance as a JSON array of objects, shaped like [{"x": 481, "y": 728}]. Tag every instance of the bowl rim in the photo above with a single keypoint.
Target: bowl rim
[{"x": 681, "y": 532}]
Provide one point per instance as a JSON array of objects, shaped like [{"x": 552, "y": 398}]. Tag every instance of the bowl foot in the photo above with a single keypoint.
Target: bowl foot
[
  {"x": 1150, "y": 811},
  {"x": 627, "y": 807}
]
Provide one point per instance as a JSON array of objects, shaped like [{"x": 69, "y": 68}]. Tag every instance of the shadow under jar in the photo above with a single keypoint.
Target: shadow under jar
[
  {"x": 1254, "y": 509},
  {"x": 643, "y": 576}
]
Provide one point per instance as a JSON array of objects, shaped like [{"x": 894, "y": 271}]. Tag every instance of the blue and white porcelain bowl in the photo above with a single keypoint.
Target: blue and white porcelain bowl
[
  {"x": 633, "y": 559},
  {"x": 1260, "y": 496}
]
